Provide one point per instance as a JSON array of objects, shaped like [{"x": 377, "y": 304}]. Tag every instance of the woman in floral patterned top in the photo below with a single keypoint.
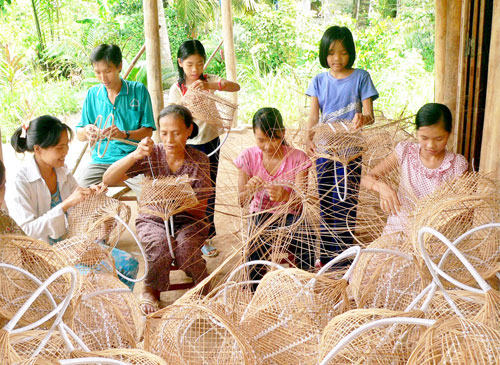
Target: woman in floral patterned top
[{"x": 424, "y": 165}]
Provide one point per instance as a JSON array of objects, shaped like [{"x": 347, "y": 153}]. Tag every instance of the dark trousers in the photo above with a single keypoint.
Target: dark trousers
[
  {"x": 336, "y": 214},
  {"x": 260, "y": 248},
  {"x": 207, "y": 148}
]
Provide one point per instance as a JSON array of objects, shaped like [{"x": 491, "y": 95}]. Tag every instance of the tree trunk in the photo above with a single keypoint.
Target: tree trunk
[
  {"x": 165, "y": 53},
  {"x": 355, "y": 4},
  {"x": 362, "y": 14}
]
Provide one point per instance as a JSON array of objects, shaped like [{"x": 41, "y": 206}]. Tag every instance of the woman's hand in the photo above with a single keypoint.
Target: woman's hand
[
  {"x": 77, "y": 196},
  {"x": 144, "y": 148},
  {"x": 278, "y": 193},
  {"x": 389, "y": 201},
  {"x": 99, "y": 188}
]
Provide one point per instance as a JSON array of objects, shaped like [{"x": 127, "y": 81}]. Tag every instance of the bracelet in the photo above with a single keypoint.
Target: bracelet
[{"x": 220, "y": 85}]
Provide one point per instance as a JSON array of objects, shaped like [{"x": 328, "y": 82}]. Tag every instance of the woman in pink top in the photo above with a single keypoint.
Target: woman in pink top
[
  {"x": 425, "y": 165},
  {"x": 266, "y": 173}
]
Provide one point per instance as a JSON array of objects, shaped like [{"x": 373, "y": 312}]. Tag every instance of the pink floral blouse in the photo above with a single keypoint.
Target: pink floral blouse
[{"x": 418, "y": 181}]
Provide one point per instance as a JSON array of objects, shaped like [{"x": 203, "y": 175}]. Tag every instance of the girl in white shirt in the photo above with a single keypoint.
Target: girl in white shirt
[{"x": 44, "y": 189}]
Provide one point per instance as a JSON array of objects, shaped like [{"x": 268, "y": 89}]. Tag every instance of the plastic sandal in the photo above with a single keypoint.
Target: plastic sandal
[{"x": 208, "y": 250}]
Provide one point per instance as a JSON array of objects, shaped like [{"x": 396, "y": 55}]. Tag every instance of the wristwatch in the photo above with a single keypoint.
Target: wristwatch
[{"x": 127, "y": 134}]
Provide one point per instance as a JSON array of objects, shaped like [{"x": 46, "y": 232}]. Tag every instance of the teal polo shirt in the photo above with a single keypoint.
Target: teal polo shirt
[{"x": 132, "y": 110}]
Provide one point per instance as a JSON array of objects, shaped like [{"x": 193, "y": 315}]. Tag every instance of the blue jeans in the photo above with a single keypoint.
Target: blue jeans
[
  {"x": 207, "y": 148},
  {"x": 299, "y": 246},
  {"x": 337, "y": 214}
]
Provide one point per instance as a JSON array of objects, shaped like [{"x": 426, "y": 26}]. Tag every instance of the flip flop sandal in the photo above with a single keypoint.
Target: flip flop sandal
[
  {"x": 145, "y": 301},
  {"x": 209, "y": 250}
]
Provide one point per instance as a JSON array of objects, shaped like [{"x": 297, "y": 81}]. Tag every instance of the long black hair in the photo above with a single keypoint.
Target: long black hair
[
  {"x": 186, "y": 49},
  {"x": 434, "y": 113},
  {"x": 44, "y": 131},
  {"x": 182, "y": 112},
  {"x": 270, "y": 122}
]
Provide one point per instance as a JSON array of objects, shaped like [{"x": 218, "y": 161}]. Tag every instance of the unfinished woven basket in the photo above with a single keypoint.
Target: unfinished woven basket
[
  {"x": 387, "y": 344},
  {"x": 110, "y": 287},
  {"x": 39, "y": 259},
  {"x": 166, "y": 196},
  {"x": 195, "y": 334},
  {"x": 210, "y": 109},
  {"x": 81, "y": 250},
  {"x": 388, "y": 281},
  {"x": 95, "y": 218},
  {"x": 459, "y": 205},
  {"x": 457, "y": 341},
  {"x": 336, "y": 141},
  {"x": 100, "y": 321},
  {"x": 287, "y": 313},
  {"x": 129, "y": 356}
]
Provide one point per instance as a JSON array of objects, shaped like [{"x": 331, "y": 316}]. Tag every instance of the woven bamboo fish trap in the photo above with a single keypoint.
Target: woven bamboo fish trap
[
  {"x": 195, "y": 334},
  {"x": 337, "y": 141},
  {"x": 386, "y": 344},
  {"x": 274, "y": 239},
  {"x": 461, "y": 204},
  {"x": 25, "y": 344},
  {"x": 457, "y": 341},
  {"x": 100, "y": 320},
  {"x": 210, "y": 109},
  {"x": 111, "y": 288},
  {"x": 81, "y": 250},
  {"x": 166, "y": 196},
  {"x": 95, "y": 217},
  {"x": 390, "y": 281},
  {"x": 469, "y": 304},
  {"x": 287, "y": 313},
  {"x": 39, "y": 259},
  {"x": 129, "y": 356},
  {"x": 490, "y": 312}
]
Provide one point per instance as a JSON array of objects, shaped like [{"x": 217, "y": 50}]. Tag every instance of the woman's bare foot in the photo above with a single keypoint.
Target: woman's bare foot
[{"x": 149, "y": 300}]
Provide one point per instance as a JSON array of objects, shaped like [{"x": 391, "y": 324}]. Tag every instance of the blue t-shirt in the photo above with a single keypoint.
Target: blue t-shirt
[
  {"x": 341, "y": 99},
  {"x": 132, "y": 110}
]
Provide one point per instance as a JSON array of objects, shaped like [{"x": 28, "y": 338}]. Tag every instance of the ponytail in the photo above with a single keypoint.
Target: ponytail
[{"x": 44, "y": 131}]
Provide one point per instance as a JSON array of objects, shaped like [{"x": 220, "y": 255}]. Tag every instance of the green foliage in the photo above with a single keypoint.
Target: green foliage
[
  {"x": 195, "y": 14},
  {"x": 267, "y": 39},
  {"x": 177, "y": 32}
]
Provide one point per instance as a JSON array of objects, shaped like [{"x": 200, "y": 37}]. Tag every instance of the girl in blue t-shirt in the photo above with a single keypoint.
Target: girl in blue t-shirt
[{"x": 342, "y": 94}]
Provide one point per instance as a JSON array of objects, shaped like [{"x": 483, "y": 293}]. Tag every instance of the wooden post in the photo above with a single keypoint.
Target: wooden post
[
  {"x": 153, "y": 59},
  {"x": 1, "y": 154},
  {"x": 490, "y": 153},
  {"x": 447, "y": 56},
  {"x": 440, "y": 49},
  {"x": 229, "y": 53}
]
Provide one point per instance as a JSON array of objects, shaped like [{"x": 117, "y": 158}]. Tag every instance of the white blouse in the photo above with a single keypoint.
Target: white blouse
[{"x": 29, "y": 198}]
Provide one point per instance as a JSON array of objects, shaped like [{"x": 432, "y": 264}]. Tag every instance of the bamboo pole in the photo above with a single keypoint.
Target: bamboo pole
[
  {"x": 134, "y": 61},
  {"x": 490, "y": 153},
  {"x": 229, "y": 53},
  {"x": 453, "y": 24},
  {"x": 1, "y": 154},
  {"x": 213, "y": 55},
  {"x": 440, "y": 49},
  {"x": 153, "y": 59}
]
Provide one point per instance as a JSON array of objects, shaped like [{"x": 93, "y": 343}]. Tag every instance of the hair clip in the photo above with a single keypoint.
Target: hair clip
[{"x": 24, "y": 130}]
